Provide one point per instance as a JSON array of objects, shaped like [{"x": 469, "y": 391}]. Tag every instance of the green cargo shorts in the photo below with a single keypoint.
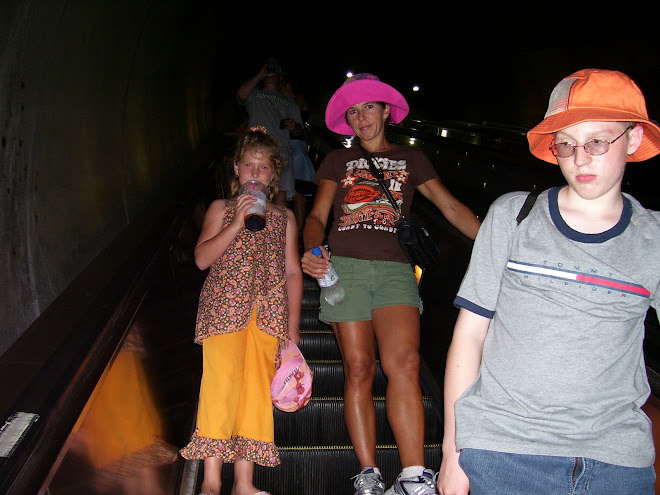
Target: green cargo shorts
[{"x": 369, "y": 285}]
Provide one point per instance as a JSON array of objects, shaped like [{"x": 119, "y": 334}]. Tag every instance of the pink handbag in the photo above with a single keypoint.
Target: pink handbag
[{"x": 291, "y": 387}]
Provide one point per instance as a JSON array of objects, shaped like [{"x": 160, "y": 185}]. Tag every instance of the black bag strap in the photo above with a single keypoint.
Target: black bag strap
[
  {"x": 527, "y": 206},
  {"x": 380, "y": 177}
]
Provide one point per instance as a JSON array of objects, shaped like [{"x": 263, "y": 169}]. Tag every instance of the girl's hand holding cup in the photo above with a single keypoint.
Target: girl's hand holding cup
[
  {"x": 242, "y": 202},
  {"x": 255, "y": 213}
]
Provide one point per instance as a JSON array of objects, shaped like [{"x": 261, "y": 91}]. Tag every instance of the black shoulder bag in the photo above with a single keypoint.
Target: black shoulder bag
[{"x": 414, "y": 239}]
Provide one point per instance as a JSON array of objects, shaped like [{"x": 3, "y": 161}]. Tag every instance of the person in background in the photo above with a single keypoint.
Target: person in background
[
  {"x": 280, "y": 115},
  {"x": 545, "y": 376},
  {"x": 243, "y": 331},
  {"x": 302, "y": 164},
  {"x": 382, "y": 302}
]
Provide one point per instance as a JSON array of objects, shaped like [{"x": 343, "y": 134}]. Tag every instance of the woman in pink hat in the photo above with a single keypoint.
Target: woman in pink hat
[{"x": 382, "y": 299}]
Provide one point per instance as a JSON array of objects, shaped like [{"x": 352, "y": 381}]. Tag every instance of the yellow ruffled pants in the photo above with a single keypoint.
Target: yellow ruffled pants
[{"x": 235, "y": 412}]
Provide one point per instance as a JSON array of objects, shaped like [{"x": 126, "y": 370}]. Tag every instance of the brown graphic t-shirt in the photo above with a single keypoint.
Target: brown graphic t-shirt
[{"x": 364, "y": 224}]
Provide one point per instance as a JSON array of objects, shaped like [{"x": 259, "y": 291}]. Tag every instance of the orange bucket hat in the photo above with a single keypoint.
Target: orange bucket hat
[{"x": 594, "y": 95}]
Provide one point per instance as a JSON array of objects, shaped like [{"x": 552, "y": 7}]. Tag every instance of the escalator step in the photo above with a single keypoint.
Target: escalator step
[
  {"x": 310, "y": 283},
  {"x": 324, "y": 470},
  {"x": 310, "y": 299},
  {"x": 309, "y": 320},
  {"x": 321, "y": 422},
  {"x": 319, "y": 344},
  {"x": 329, "y": 379}
]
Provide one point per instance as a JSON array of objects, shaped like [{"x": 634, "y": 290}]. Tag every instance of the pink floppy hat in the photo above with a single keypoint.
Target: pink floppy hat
[
  {"x": 361, "y": 88},
  {"x": 594, "y": 95},
  {"x": 291, "y": 387}
]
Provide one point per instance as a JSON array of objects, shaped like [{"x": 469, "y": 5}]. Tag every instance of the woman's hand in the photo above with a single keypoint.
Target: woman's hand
[{"x": 315, "y": 266}]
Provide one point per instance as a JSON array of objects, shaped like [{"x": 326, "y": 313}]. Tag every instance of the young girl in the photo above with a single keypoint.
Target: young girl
[{"x": 249, "y": 307}]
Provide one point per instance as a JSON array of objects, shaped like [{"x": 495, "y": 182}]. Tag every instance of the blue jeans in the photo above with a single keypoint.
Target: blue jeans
[{"x": 497, "y": 473}]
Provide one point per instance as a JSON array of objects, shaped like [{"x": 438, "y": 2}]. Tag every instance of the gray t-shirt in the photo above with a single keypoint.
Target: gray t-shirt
[
  {"x": 267, "y": 108},
  {"x": 562, "y": 370}
]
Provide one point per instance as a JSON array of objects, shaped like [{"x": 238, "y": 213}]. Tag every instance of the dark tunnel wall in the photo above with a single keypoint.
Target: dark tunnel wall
[{"x": 102, "y": 105}]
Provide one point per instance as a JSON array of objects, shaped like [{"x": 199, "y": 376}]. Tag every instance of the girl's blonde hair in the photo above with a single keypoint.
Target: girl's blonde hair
[{"x": 256, "y": 140}]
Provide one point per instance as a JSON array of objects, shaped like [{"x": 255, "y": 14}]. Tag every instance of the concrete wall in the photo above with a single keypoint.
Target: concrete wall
[{"x": 101, "y": 104}]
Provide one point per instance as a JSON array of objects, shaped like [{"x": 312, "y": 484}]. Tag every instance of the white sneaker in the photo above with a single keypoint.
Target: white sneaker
[
  {"x": 368, "y": 482},
  {"x": 417, "y": 485}
]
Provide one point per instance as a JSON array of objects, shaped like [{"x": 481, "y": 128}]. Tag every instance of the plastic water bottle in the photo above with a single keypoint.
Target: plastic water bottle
[{"x": 330, "y": 285}]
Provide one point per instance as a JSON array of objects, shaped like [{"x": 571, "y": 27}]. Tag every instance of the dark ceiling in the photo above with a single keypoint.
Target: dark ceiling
[{"x": 467, "y": 70}]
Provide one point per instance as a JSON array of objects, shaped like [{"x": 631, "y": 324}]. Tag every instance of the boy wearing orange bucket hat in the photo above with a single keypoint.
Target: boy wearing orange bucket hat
[{"x": 545, "y": 375}]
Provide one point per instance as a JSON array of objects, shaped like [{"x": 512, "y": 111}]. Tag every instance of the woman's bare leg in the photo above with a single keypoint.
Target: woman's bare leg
[
  {"x": 357, "y": 346},
  {"x": 397, "y": 333}
]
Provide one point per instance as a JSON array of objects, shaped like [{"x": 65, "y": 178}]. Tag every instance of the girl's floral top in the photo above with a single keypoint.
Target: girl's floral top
[{"x": 251, "y": 272}]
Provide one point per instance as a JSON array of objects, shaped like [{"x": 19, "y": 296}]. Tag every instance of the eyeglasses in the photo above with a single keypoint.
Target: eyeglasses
[{"x": 594, "y": 147}]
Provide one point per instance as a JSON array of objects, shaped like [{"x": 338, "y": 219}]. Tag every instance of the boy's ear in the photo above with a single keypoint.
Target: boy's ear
[{"x": 635, "y": 138}]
